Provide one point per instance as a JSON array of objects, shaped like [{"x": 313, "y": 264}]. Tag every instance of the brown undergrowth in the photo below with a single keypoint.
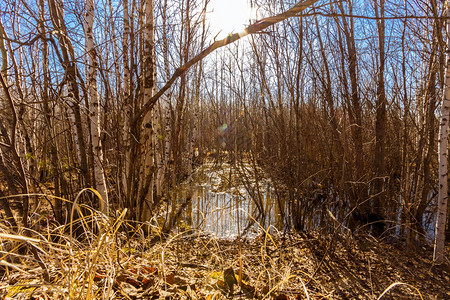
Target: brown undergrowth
[{"x": 110, "y": 259}]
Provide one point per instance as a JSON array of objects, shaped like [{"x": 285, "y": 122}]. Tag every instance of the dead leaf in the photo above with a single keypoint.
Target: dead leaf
[
  {"x": 124, "y": 278},
  {"x": 246, "y": 288},
  {"x": 179, "y": 281},
  {"x": 133, "y": 282},
  {"x": 128, "y": 290},
  {"x": 121, "y": 278},
  {"x": 98, "y": 277},
  {"x": 170, "y": 279},
  {"x": 281, "y": 297},
  {"x": 148, "y": 270},
  {"x": 230, "y": 279},
  {"x": 221, "y": 285}
]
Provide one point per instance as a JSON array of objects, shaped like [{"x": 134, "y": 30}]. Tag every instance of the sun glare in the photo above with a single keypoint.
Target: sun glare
[{"x": 229, "y": 16}]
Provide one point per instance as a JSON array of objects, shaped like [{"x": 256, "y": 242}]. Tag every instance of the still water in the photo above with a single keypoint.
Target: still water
[{"x": 221, "y": 202}]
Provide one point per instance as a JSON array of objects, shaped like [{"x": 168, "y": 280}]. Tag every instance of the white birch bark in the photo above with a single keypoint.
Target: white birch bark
[
  {"x": 157, "y": 140},
  {"x": 167, "y": 146},
  {"x": 73, "y": 127},
  {"x": 147, "y": 181},
  {"x": 99, "y": 175},
  {"x": 165, "y": 108},
  {"x": 439, "y": 246}
]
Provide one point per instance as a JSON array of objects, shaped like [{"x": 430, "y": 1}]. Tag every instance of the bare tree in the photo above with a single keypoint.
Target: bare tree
[
  {"x": 380, "y": 122},
  {"x": 439, "y": 247},
  {"x": 72, "y": 75},
  {"x": 95, "y": 108}
]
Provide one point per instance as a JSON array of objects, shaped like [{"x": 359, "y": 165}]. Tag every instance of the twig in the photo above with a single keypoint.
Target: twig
[{"x": 258, "y": 26}]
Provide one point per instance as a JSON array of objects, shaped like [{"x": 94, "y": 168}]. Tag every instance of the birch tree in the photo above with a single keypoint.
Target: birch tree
[
  {"x": 99, "y": 174},
  {"x": 149, "y": 76},
  {"x": 439, "y": 246}
]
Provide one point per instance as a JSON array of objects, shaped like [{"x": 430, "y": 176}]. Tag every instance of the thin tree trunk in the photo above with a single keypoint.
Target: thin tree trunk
[
  {"x": 161, "y": 184},
  {"x": 57, "y": 175},
  {"x": 126, "y": 104},
  {"x": 15, "y": 156},
  {"x": 70, "y": 67},
  {"x": 380, "y": 124},
  {"x": 4, "y": 71},
  {"x": 359, "y": 190},
  {"x": 145, "y": 196},
  {"x": 99, "y": 174},
  {"x": 439, "y": 247}
]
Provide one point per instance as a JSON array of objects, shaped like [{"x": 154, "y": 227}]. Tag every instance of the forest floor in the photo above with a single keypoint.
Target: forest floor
[{"x": 294, "y": 266}]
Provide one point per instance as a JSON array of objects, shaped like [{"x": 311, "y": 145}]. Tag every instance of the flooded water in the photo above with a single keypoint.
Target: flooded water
[{"x": 224, "y": 201}]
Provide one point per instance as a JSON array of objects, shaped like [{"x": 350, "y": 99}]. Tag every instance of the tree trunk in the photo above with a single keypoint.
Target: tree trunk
[
  {"x": 70, "y": 67},
  {"x": 439, "y": 247},
  {"x": 358, "y": 188},
  {"x": 126, "y": 104},
  {"x": 99, "y": 174},
  {"x": 4, "y": 72},
  {"x": 145, "y": 196},
  {"x": 380, "y": 126}
]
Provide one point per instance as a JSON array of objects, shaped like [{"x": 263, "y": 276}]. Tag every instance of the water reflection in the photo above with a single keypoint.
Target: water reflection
[
  {"x": 221, "y": 205},
  {"x": 224, "y": 215},
  {"x": 223, "y": 200}
]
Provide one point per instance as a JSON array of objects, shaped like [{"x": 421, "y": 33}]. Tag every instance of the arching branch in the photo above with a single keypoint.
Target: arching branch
[{"x": 253, "y": 28}]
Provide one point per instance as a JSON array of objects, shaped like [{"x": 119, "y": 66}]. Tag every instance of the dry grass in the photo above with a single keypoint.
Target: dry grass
[{"x": 100, "y": 257}]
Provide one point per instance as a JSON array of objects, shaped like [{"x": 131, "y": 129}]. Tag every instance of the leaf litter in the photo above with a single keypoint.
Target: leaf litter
[{"x": 290, "y": 266}]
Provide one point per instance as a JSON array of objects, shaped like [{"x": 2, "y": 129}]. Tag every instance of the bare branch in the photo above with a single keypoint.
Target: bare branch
[
  {"x": 13, "y": 109},
  {"x": 253, "y": 28}
]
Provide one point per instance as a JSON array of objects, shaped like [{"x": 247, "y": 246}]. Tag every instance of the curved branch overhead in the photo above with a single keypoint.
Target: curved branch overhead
[{"x": 253, "y": 28}]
